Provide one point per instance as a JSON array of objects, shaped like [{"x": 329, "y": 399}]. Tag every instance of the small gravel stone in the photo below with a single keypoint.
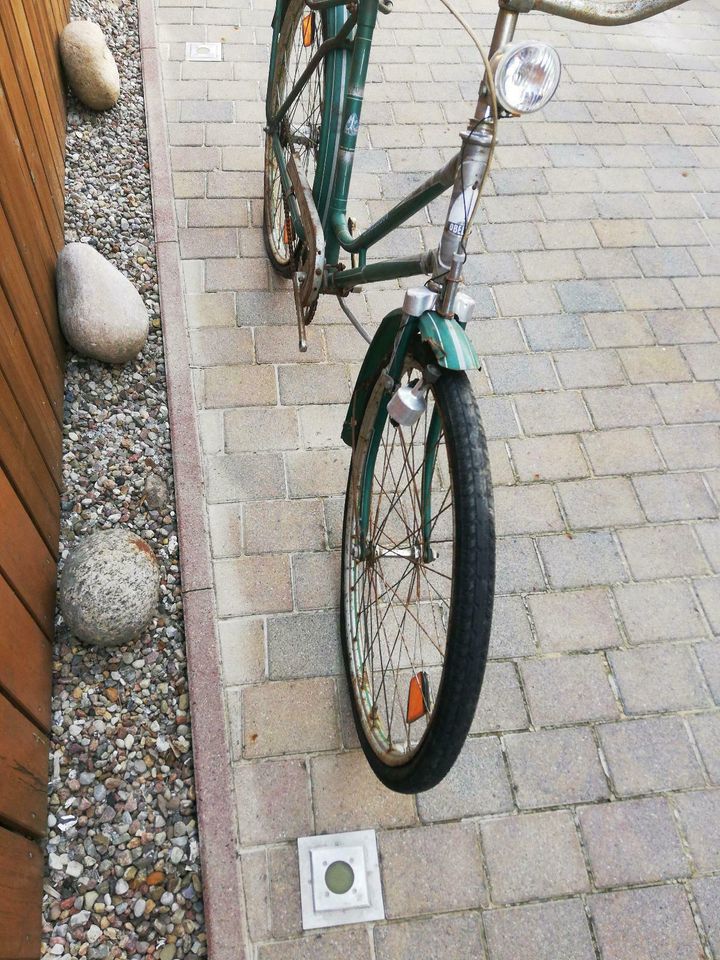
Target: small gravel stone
[
  {"x": 74, "y": 869},
  {"x": 123, "y": 710}
]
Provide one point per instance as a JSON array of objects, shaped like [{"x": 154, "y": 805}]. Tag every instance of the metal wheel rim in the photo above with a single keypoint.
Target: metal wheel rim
[{"x": 377, "y": 734}]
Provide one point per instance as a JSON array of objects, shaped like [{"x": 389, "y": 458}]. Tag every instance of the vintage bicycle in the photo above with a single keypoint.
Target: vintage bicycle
[{"x": 418, "y": 552}]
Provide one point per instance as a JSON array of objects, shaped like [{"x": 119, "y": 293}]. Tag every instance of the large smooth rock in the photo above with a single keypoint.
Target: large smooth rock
[
  {"x": 89, "y": 65},
  {"x": 101, "y": 313},
  {"x": 110, "y": 586}
]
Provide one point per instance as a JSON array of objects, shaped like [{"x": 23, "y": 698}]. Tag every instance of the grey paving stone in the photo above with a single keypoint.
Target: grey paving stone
[
  {"x": 661, "y": 678},
  {"x": 348, "y": 796},
  {"x": 518, "y": 373},
  {"x": 623, "y": 329},
  {"x": 688, "y": 402},
  {"x": 511, "y": 635},
  {"x": 585, "y": 559},
  {"x": 242, "y": 646},
  {"x": 551, "y": 413},
  {"x": 548, "y": 458},
  {"x": 709, "y": 536},
  {"x": 569, "y": 689},
  {"x": 501, "y": 705},
  {"x": 700, "y": 819},
  {"x": 303, "y": 645},
  {"x": 706, "y": 730},
  {"x": 253, "y": 585},
  {"x": 574, "y": 620},
  {"x": 706, "y": 891},
  {"x": 652, "y": 923},
  {"x": 454, "y": 883},
  {"x": 564, "y": 331},
  {"x": 284, "y": 892},
  {"x": 293, "y": 716},
  {"x": 433, "y": 938},
  {"x": 588, "y": 296},
  {"x": 622, "y": 407},
  {"x": 664, "y": 551},
  {"x": 498, "y": 417},
  {"x": 545, "y": 853},
  {"x": 659, "y": 611},
  {"x": 709, "y": 657},
  {"x": 555, "y": 767},
  {"x": 589, "y": 368},
  {"x": 526, "y": 509},
  {"x": 649, "y": 756},
  {"x": 674, "y": 497},
  {"x": 475, "y": 786},
  {"x": 599, "y": 503},
  {"x": 244, "y": 476},
  {"x": 283, "y": 526},
  {"x": 654, "y": 364},
  {"x": 632, "y": 841},
  {"x": 709, "y": 592},
  {"x": 518, "y": 569},
  {"x": 273, "y": 801},
  {"x": 349, "y": 943},
  {"x": 556, "y": 930},
  {"x": 621, "y": 451}
]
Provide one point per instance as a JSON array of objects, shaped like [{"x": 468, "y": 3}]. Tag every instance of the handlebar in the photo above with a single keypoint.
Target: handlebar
[{"x": 599, "y": 12}]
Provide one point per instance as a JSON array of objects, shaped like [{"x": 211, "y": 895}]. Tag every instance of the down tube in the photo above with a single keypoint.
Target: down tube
[{"x": 367, "y": 17}]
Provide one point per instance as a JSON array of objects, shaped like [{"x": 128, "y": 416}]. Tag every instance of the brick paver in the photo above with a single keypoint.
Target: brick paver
[{"x": 581, "y": 820}]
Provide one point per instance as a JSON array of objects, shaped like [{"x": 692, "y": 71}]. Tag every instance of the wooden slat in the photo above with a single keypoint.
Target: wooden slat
[
  {"x": 43, "y": 419},
  {"x": 25, "y": 561},
  {"x": 23, "y": 771},
  {"x": 23, "y": 213},
  {"x": 26, "y": 659},
  {"x": 36, "y": 148},
  {"x": 31, "y": 85},
  {"x": 53, "y": 116},
  {"x": 44, "y": 39},
  {"x": 46, "y": 351},
  {"x": 27, "y": 471},
  {"x": 21, "y": 873}
]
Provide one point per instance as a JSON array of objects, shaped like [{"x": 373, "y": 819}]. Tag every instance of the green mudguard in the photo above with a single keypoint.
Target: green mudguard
[{"x": 446, "y": 338}]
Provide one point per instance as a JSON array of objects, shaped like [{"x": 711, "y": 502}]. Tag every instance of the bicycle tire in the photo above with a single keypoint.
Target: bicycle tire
[
  {"x": 473, "y": 577},
  {"x": 280, "y": 253}
]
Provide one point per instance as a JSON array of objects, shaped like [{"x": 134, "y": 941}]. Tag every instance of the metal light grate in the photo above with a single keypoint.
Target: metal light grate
[{"x": 340, "y": 879}]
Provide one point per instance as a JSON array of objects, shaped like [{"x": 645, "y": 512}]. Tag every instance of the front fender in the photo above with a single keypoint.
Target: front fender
[
  {"x": 449, "y": 342},
  {"x": 377, "y": 356}
]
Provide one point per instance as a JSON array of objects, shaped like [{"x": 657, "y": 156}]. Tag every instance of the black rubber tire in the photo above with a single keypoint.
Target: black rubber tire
[
  {"x": 282, "y": 267},
  {"x": 468, "y": 634}
]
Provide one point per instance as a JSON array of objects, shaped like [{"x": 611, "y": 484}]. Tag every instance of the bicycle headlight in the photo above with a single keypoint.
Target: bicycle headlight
[{"x": 526, "y": 76}]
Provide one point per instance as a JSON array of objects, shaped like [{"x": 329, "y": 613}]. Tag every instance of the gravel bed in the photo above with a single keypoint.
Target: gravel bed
[{"x": 124, "y": 873}]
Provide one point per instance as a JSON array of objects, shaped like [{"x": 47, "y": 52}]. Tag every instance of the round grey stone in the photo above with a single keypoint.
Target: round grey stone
[
  {"x": 109, "y": 588},
  {"x": 89, "y": 65},
  {"x": 101, "y": 313}
]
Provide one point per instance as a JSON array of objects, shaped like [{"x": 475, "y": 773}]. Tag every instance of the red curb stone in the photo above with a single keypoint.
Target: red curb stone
[{"x": 222, "y": 887}]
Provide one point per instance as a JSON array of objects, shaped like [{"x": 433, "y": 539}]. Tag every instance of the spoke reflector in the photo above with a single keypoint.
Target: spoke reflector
[
  {"x": 418, "y": 697},
  {"x": 308, "y": 29}
]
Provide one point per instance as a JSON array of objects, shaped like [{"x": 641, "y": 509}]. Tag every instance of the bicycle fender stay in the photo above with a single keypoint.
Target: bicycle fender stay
[
  {"x": 376, "y": 357},
  {"x": 449, "y": 342}
]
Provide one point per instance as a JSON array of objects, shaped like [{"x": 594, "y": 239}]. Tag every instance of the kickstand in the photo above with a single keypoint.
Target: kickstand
[{"x": 297, "y": 279}]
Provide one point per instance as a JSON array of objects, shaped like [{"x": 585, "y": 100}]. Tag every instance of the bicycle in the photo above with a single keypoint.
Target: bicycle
[{"x": 418, "y": 552}]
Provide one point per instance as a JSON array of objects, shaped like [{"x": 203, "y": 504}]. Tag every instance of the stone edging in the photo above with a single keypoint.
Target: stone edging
[{"x": 222, "y": 887}]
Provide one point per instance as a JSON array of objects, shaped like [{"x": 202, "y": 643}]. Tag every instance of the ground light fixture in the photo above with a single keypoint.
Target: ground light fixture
[
  {"x": 340, "y": 879},
  {"x": 526, "y": 75},
  {"x": 203, "y": 52}
]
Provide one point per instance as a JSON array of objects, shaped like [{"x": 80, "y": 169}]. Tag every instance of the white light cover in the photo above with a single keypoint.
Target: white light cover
[{"x": 527, "y": 76}]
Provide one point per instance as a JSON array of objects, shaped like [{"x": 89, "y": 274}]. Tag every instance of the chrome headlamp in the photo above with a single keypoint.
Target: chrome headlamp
[{"x": 526, "y": 75}]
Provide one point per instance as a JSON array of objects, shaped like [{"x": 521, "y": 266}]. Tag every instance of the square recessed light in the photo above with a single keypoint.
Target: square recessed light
[
  {"x": 340, "y": 879},
  {"x": 203, "y": 52}
]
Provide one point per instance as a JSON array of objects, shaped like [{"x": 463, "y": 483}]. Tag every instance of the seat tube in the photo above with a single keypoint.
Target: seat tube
[{"x": 339, "y": 233}]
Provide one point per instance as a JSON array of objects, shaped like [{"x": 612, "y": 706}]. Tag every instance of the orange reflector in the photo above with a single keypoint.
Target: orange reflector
[
  {"x": 308, "y": 29},
  {"x": 287, "y": 232},
  {"x": 418, "y": 696}
]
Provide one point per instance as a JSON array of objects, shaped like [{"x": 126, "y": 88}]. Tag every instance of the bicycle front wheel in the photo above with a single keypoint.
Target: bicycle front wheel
[{"x": 417, "y": 580}]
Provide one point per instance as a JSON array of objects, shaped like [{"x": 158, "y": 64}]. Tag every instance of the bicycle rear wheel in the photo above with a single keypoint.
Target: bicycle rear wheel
[
  {"x": 417, "y": 580},
  {"x": 301, "y": 33}
]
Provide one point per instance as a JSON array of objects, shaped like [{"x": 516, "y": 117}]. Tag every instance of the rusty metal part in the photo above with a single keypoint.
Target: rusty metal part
[{"x": 599, "y": 12}]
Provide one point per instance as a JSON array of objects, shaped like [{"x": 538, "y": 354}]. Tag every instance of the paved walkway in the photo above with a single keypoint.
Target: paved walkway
[{"x": 599, "y": 299}]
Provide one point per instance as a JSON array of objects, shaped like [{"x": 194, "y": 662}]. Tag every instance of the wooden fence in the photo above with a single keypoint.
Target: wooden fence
[{"x": 32, "y": 138}]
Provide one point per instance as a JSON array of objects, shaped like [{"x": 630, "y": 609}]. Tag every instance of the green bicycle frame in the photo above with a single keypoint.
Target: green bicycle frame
[{"x": 346, "y": 53}]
